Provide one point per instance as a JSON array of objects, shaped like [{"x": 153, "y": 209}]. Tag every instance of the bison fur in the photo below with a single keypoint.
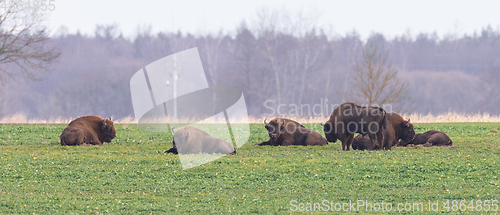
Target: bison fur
[
  {"x": 191, "y": 140},
  {"x": 350, "y": 118},
  {"x": 428, "y": 138},
  {"x": 88, "y": 130},
  {"x": 286, "y": 132}
]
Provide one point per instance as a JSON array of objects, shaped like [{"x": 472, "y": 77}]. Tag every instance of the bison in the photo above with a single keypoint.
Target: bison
[
  {"x": 428, "y": 138},
  {"x": 362, "y": 142},
  {"x": 191, "y": 140},
  {"x": 88, "y": 130},
  {"x": 285, "y": 132},
  {"x": 397, "y": 129},
  {"x": 350, "y": 118}
]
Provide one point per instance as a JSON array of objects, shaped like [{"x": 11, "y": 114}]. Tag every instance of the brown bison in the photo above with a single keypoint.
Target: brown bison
[
  {"x": 285, "y": 132},
  {"x": 361, "y": 142},
  {"x": 88, "y": 130},
  {"x": 428, "y": 138},
  {"x": 350, "y": 118},
  {"x": 397, "y": 129},
  {"x": 191, "y": 140}
]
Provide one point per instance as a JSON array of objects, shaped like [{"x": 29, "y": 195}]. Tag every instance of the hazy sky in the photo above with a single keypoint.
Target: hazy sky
[{"x": 390, "y": 17}]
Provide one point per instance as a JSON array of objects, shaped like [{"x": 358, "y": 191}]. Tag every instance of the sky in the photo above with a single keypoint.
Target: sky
[{"x": 389, "y": 17}]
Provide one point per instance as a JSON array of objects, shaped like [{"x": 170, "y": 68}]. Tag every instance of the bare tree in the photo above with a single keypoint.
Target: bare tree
[
  {"x": 211, "y": 45},
  {"x": 292, "y": 47},
  {"x": 268, "y": 31},
  {"x": 306, "y": 55},
  {"x": 245, "y": 52},
  {"x": 374, "y": 81},
  {"x": 108, "y": 32},
  {"x": 491, "y": 86},
  {"x": 24, "y": 43}
]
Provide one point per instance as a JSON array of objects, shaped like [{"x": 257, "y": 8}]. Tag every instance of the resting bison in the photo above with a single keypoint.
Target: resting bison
[
  {"x": 429, "y": 138},
  {"x": 285, "y": 132},
  {"x": 397, "y": 128},
  {"x": 191, "y": 140},
  {"x": 88, "y": 130},
  {"x": 350, "y": 118},
  {"x": 361, "y": 142}
]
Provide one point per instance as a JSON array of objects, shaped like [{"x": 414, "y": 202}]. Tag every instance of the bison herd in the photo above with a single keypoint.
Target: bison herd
[{"x": 376, "y": 130}]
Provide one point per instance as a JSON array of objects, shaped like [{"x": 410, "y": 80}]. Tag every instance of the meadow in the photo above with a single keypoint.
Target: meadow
[{"x": 132, "y": 175}]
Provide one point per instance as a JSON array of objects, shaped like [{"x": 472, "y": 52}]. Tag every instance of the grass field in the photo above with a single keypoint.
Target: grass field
[{"x": 132, "y": 175}]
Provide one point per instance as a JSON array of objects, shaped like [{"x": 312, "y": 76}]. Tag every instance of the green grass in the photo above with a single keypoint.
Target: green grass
[{"x": 132, "y": 175}]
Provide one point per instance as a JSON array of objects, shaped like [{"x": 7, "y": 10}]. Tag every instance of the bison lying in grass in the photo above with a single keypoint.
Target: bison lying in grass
[
  {"x": 428, "y": 138},
  {"x": 397, "y": 129},
  {"x": 191, "y": 140},
  {"x": 362, "y": 142},
  {"x": 286, "y": 132},
  {"x": 88, "y": 130}
]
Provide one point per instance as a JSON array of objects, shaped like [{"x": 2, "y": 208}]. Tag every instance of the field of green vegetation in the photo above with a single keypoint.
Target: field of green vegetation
[{"x": 132, "y": 175}]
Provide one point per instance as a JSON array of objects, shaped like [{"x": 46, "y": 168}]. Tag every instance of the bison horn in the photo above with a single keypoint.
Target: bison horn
[
  {"x": 104, "y": 121},
  {"x": 282, "y": 122},
  {"x": 408, "y": 123},
  {"x": 265, "y": 121},
  {"x": 173, "y": 130}
]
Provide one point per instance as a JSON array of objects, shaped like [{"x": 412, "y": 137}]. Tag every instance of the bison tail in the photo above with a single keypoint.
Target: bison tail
[{"x": 385, "y": 119}]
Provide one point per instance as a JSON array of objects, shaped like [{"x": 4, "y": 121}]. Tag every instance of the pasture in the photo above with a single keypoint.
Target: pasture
[{"x": 132, "y": 175}]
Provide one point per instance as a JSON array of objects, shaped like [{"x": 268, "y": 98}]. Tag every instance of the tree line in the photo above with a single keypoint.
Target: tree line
[{"x": 272, "y": 63}]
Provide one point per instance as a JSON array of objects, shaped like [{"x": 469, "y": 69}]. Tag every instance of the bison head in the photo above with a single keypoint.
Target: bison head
[
  {"x": 108, "y": 130},
  {"x": 173, "y": 140},
  {"x": 329, "y": 133},
  {"x": 181, "y": 136},
  {"x": 274, "y": 128},
  {"x": 406, "y": 131}
]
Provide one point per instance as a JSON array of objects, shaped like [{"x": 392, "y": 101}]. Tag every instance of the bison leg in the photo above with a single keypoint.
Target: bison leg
[
  {"x": 224, "y": 148},
  {"x": 267, "y": 143},
  {"x": 342, "y": 137},
  {"x": 95, "y": 141},
  {"x": 61, "y": 138},
  {"x": 385, "y": 142},
  {"x": 343, "y": 140},
  {"x": 402, "y": 143},
  {"x": 287, "y": 143},
  {"x": 72, "y": 137},
  {"x": 389, "y": 142},
  {"x": 373, "y": 139},
  {"x": 349, "y": 140},
  {"x": 315, "y": 140},
  {"x": 378, "y": 141}
]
